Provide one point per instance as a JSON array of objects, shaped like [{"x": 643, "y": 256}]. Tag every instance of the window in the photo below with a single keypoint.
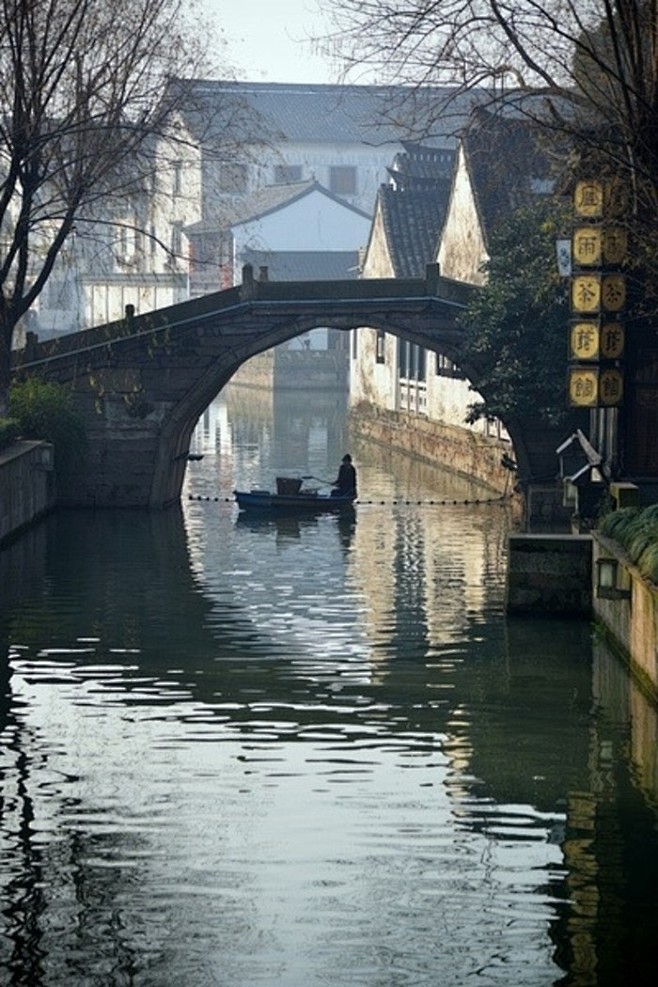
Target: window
[
  {"x": 411, "y": 361},
  {"x": 177, "y": 168},
  {"x": 286, "y": 174},
  {"x": 342, "y": 179},
  {"x": 380, "y": 347},
  {"x": 444, "y": 367},
  {"x": 233, "y": 178},
  {"x": 125, "y": 242},
  {"x": 176, "y": 239}
]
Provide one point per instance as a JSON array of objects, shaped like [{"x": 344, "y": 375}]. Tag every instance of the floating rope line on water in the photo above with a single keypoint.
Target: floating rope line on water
[{"x": 387, "y": 503}]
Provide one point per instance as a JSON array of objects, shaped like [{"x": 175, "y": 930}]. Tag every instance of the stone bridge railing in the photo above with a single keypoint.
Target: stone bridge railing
[{"x": 143, "y": 382}]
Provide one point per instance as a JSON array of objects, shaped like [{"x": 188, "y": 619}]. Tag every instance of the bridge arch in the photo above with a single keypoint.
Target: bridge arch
[{"x": 143, "y": 383}]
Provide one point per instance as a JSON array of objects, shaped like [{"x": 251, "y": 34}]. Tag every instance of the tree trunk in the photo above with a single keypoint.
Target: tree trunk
[{"x": 5, "y": 368}]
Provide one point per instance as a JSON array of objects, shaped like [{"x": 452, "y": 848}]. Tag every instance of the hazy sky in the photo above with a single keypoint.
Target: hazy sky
[{"x": 268, "y": 39}]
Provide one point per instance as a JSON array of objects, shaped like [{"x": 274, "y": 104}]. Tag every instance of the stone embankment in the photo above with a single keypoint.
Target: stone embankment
[
  {"x": 27, "y": 486},
  {"x": 588, "y": 576},
  {"x": 625, "y": 604}
]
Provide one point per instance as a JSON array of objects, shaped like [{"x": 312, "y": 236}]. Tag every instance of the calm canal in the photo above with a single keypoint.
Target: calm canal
[{"x": 311, "y": 752}]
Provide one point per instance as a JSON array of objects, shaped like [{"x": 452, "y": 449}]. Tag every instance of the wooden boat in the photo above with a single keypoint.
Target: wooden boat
[{"x": 302, "y": 502}]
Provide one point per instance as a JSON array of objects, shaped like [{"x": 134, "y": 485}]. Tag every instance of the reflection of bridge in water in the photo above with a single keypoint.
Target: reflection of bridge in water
[
  {"x": 508, "y": 681},
  {"x": 143, "y": 382}
]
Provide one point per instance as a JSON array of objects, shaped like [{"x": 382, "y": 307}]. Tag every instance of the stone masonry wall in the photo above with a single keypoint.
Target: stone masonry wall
[{"x": 27, "y": 486}]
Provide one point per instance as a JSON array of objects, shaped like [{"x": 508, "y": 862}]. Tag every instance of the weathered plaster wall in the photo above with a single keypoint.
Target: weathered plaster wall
[
  {"x": 462, "y": 251},
  {"x": 465, "y": 453},
  {"x": 370, "y": 381}
]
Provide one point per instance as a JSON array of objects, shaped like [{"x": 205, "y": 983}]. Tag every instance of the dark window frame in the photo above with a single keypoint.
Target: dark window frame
[
  {"x": 343, "y": 179},
  {"x": 287, "y": 174}
]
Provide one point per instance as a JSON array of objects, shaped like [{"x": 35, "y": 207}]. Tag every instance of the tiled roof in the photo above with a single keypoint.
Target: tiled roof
[
  {"x": 418, "y": 165},
  {"x": 412, "y": 220},
  {"x": 326, "y": 113},
  {"x": 272, "y": 197},
  {"x": 304, "y": 265},
  {"x": 508, "y": 163}
]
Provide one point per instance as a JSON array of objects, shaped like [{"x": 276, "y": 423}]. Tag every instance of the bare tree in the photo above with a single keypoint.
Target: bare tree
[
  {"x": 586, "y": 67},
  {"x": 84, "y": 95}
]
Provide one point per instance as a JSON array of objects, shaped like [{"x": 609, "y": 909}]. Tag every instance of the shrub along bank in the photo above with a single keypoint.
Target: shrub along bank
[
  {"x": 636, "y": 530},
  {"x": 43, "y": 410}
]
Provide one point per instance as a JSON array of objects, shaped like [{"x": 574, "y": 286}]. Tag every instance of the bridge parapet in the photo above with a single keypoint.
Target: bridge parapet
[
  {"x": 143, "y": 381},
  {"x": 431, "y": 286}
]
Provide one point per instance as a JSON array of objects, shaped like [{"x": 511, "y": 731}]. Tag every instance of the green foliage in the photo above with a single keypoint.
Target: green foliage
[
  {"x": 515, "y": 329},
  {"x": 10, "y": 429},
  {"x": 45, "y": 411},
  {"x": 636, "y": 530}
]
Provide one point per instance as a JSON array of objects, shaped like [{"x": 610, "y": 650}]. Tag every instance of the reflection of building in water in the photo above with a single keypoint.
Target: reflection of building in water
[
  {"x": 251, "y": 435},
  {"x": 610, "y": 848},
  {"x": 422, "y": 584}
]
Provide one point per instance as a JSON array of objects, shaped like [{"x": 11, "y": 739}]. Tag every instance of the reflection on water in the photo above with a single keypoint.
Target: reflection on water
[{"x": 310, "y": 751}]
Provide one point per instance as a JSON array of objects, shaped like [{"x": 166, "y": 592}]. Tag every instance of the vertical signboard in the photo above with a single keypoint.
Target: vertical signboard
[{"x": 598, "y": 296}]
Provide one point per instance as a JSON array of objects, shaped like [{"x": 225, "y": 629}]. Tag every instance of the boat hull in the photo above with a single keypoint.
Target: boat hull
[{"x": 300, "y": 503}]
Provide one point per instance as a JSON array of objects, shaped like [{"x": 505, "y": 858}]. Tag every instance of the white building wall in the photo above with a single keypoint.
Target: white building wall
[
  {"x": 314, "y": 161},
  {"x": 446, "y": 399},
  {"x": 370, "y": 381},
  {"x": 315, "y": 222},
  {"x": 135, "y": 254},
  {"x": 107, "y": 302},
  {"x": 462, "y": 251},
  {"x": 177, "y": 202}
]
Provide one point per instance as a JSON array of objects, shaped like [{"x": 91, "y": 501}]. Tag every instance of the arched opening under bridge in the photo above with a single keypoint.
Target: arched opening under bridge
[{"x": 143, "y": 383}]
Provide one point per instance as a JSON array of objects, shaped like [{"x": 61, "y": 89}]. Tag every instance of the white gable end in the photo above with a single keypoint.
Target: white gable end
[
  {"x": 462, "y": 251},
  {"x": 312, "y": 222}
]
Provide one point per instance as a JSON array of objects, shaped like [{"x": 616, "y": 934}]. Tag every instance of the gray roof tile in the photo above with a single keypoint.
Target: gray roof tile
[
  {"x": 326, "y": 113},
  {"x": 412, "y": 221}
]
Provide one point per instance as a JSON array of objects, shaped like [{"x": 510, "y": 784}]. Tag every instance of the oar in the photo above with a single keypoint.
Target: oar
[{"x": 329, "y": 483}]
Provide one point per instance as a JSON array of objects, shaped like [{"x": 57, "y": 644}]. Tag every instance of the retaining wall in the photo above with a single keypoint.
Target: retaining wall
[
  {"x": 629, "y": 612},
  {"x": 27, "y": 486},
  {"x": 466, "y": 453},
  {"x": 549, "y": 574}
]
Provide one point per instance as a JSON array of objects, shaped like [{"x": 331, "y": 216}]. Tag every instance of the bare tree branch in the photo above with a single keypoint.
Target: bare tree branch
[{"x": 85, "y": 95}]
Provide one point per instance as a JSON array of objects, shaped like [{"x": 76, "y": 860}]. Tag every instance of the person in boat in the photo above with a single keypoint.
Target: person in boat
[{"x": 345, "y": 483}]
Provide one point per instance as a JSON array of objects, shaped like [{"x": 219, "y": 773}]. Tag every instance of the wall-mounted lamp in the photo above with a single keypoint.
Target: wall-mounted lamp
[
  {"x": 607, "y": 572},
  {"x": 44, "y": 459}
]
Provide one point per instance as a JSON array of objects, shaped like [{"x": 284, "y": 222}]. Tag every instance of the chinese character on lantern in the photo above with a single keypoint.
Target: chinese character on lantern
[
  {"x": 583, "y": 387},
  {"x": 615, "y": 198},
  {"x": 586, "y": 293},
  {"x": 588, "y": 198},
  {"x": 612, "y": 340},
  {"x": 611, "y": 387},
  {"x": 615, "y": 245},
  {"x": 613, "y": 292},
  {"x": 587, "y": 246},
  {"x": 584, "y": 340}
]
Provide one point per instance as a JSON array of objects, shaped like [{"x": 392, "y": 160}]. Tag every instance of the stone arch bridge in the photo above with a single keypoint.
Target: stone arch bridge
[{"x": 143, "y": 382}]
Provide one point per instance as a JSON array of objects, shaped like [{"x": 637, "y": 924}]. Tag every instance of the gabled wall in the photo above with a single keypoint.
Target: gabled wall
[
  {"x": 370, "y": 381},
  {"x": 313, "y": 222},
  {"x": 439, "y": 429},
  {"x": 462, "y": 251}
]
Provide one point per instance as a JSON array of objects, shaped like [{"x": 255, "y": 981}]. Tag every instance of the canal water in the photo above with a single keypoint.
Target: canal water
[{"x": 305, "y": 752}]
